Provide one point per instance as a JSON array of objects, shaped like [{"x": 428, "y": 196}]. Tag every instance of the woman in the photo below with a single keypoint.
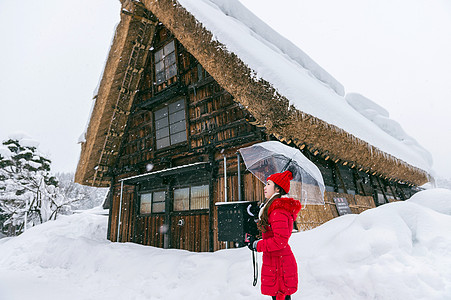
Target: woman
[{"x": 279, "y": 276}]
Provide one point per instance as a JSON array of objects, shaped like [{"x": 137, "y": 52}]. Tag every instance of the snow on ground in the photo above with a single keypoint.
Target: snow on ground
[{"x": 396, "y": 251}]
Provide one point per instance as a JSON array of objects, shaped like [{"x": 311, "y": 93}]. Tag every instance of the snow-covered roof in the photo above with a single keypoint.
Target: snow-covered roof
[
  {"x": 298, "y": 78},
  {"x": 279, "y": 85}
]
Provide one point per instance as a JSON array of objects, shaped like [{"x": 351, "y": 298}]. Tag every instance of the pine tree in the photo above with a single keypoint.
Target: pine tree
[{"x": 28, "y": 192}]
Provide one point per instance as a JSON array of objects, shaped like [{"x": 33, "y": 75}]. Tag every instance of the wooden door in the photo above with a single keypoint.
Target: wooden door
[{"x": 190, "y": 231}]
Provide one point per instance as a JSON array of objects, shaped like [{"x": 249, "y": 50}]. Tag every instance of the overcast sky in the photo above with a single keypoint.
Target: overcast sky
[{"x": 395, "y": 52}]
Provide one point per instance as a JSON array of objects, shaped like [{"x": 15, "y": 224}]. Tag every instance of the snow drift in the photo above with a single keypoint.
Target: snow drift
[{"x": 396, "y": 251}]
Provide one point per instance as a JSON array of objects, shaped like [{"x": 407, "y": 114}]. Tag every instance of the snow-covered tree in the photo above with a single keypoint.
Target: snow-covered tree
[
  {"x": 28, "y": 192},
  {"x": 87, "y": 197}
]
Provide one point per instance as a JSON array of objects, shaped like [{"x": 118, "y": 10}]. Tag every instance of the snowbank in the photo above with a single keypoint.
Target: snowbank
[
  {"x": 436, "y": 199},
  {"x": 396, "y": 251}
]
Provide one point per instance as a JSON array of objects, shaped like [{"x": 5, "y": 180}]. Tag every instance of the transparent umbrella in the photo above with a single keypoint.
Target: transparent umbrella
[{"x": 264, "y": 159}]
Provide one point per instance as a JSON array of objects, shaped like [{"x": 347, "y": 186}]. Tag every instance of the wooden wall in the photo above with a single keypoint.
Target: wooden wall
[
  {"x": 150, "y": 230},
  {"x": 193, "y": 234},
  {"x": 214, "y": 119},
  {"x": 128, "y": 212},
  {"x": 312, "y": 216}
]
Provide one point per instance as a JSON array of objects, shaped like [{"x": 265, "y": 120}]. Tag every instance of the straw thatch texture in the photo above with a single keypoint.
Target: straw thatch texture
[
  {"x": 313, "y": 216},
  {"x": 271, "y": 109},
  {"x": 115, "y": 96}
]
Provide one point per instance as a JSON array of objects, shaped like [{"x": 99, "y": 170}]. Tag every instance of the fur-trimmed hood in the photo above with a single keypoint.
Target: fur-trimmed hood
[{"x": 290, "y": 205}]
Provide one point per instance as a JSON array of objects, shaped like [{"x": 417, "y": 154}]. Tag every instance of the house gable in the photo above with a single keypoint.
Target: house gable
[{"x": 213, "y": 119}]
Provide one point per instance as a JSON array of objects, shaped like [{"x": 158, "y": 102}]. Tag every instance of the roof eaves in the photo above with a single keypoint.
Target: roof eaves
[{"x": 271, "y": 109}]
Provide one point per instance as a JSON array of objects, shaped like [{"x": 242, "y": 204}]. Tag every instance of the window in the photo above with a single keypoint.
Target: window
[
  {"x": 191, "y": 198},
  {"x": 170, "y": 124},
  {"x": 181, "y": 199},
  {"x": 165, "y": 66},
  {"x": 146, "y": 203},
  {"x": 153, "y": 202},
  {"x": 199, "y": 197}
]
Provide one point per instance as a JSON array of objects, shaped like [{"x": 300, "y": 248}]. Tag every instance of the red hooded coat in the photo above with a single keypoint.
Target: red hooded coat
[{"x": 279, "y": 275}]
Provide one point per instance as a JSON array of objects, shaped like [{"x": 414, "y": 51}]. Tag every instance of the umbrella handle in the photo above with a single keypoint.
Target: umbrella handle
[
  {"x": 285, "y": 167},
  {"x": 249, "y": 210}
]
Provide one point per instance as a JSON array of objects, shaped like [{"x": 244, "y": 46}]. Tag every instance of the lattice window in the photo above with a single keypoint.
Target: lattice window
[
  {"x": 165, "y": 63},
  {"x": 170, "y": 124},
  {"x": 191, "y": 198},
  {"x": 153, "y": 202}
]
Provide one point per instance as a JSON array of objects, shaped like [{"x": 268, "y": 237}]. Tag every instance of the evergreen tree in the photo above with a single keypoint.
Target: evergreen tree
[{"x": 28, "y": 192}]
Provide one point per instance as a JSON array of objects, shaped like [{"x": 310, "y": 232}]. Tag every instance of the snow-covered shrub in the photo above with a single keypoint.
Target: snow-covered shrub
[{"x": 86, "y": 197}]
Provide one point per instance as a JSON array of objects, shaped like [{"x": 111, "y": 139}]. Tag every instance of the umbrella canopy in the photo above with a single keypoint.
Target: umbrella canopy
[{"x": 264, "y": 159}]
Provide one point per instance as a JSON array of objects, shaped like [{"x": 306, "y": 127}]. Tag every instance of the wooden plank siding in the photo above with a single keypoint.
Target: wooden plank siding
[
  {"x": 312, "y": 216},
  {"x": 127, "y": 213},
  {"x": 149, "y": 231},
  {"x": 193, "y": 234}
]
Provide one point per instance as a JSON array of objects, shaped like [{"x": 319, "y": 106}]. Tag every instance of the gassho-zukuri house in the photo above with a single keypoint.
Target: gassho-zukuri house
[{"x": 186, "y": 84}]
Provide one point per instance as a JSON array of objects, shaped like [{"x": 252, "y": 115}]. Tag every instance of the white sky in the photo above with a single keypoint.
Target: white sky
[{"x": 395, "y": 52}]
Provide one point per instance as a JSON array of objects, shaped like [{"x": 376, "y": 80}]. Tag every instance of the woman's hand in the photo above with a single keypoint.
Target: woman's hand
[{"x": 251, "y": 242}]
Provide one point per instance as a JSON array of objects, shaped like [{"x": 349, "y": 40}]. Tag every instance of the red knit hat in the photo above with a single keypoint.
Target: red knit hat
[{"x": 282, "y": 180}]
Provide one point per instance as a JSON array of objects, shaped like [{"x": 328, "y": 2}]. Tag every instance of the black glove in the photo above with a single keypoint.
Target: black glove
[{"x": 251, "y": 242}]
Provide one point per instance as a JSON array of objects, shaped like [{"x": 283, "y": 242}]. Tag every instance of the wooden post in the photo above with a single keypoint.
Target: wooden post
[
  {"x": 376, "y": 202},
  {"x": 382, "y": 189},
  {"x": 337, "y": 169},
  {"x": 239, "y": 175},
  {"x": 167, "y": 237},
  {"x": 110, "y": 208},
  {"x": 119, "y": 214},
  {"x": 211, "y": 158},
  {"x": 136, "y": 214}
]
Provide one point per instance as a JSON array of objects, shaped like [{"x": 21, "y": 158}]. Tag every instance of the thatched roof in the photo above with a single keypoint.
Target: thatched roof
[
  {"x": 270, "y": 108},
  {"x": 115, "y": 96}
]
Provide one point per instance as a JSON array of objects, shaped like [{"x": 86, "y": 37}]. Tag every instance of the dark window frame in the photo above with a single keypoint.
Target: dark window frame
[
  {"x": 165, "y": 60},
  {"x": 190, "y": 209},
  {"x": 152, "y": 202},
  {"x": 164, "y": 129}
]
